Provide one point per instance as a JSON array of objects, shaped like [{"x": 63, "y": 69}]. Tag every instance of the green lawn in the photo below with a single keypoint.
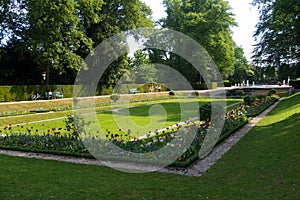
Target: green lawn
[
  {"x": 163, "y": 113},
  {"x": 265, "y": 164}
]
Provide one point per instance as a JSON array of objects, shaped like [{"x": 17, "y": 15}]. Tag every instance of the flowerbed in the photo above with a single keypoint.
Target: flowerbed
[
  {"x": 70, "y": 144},
  {"x": 259, "y": 105}
]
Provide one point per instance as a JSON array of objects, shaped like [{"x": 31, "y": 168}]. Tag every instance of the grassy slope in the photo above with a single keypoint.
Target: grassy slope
[{"x": 263, "y": 165}]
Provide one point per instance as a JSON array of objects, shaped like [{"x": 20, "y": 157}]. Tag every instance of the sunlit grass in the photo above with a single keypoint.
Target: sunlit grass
[
  {"x": 264, "y": 164},
  {"x": 139, "y": 117}
]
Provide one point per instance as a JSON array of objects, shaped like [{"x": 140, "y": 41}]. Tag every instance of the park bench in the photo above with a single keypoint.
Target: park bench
[
  {"x": 133, "y": 91},
  {"x": 55, "y": 95}
]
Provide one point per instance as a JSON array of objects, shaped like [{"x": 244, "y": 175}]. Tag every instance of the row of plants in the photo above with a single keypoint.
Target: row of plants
[
  {"x": 66, "y": 141},
  {"x": 254, "y": 105}
]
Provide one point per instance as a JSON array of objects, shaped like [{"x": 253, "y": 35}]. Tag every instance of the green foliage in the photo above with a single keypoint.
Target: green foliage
[
  {"x": 205, "y": 111},
  {"x": 272, "y": 92},
  {"x": 75, "y": 125},
  {"x": 21, "y": 93},
  {"x": 200, "y": 86},
  {"x": 240, "y": 92},
  {"x": 141, "y": 71},
  {"x": 242, "y": 69},
  {"x": 277, "y": 33},
  {"x": 257, "y": 147},
  {"x": 171, "y": 93},
  {"x": 227, "y": 83},
  {"x": 56, "y": 34},
  {"x": 195, "y": 93},
  {"x": 115, "y": 97},
  {"x": 249, "y": 100},
  {"x": 197, "y": 20}
]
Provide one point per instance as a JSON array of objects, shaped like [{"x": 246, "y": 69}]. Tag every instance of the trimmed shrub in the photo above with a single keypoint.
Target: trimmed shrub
[
  {"x": 171, "y": 93},
  {"x": 115, "y": 97},
  {"x": 240, "y": 92},
  {"x": 272, "y": 92},
  {"x": 195, "y": 93},
  {"x": 249, "y": 100}
]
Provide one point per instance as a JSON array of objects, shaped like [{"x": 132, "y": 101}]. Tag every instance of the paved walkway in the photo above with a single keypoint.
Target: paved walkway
[{"x": 197, "y": 169}]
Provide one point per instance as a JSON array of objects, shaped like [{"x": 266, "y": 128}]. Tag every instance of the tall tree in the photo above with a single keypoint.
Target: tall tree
[
  {"x": 242, "y": 70},
  {"x": 115, "y": 17},
  {"x": 12, "y": 19},
  {"x": 278, "y": 33},
  {"x": 60, "y": 33},
  {"x": 142, "y": 71},
  {"x": 56, "y": 33},
  {"x": 208, "y": 22}
]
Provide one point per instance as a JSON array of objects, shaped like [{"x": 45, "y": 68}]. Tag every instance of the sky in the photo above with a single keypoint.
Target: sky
[{"x": 245, "y": 15}]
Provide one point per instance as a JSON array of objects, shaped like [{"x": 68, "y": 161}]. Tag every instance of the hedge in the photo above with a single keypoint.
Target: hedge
[
  {"x": 295, "y": 84},
  {"x": 23, "y": 93}
]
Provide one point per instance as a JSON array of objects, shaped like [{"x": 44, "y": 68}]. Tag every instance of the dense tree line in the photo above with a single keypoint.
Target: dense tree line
[
  {"x": 277, "y": 52},
  {"x": 56, "y": 35}
]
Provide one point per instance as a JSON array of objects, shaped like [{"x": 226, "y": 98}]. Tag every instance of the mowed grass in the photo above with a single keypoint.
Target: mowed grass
[
  {"x": 264, "y": 164},
  {"x": 140, "y": 117}
]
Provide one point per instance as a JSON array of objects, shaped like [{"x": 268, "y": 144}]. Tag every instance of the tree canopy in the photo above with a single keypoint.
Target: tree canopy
[
  {"x": 208, "y": 22},
  {"x": 278, "y": 34},
  {"x": 59, "y": 34},
  {"x": 56, "y": 35}
]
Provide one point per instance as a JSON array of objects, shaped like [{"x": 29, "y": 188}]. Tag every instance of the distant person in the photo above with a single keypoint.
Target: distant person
[
  {"x": 292, "y": 90},
  {"x": 38, "y": 96},
  {"x": 50, "y": 94}
]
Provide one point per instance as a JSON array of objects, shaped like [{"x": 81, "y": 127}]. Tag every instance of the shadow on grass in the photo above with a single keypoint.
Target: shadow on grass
[
  {"x": 287, "y": 104},
  {"x": 172, "y": 109},
  {"x": 286, "y": 127}
]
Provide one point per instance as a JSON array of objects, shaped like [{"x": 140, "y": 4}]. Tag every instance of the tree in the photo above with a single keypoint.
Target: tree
[
  {"x": 12, "y": 19},
  {"x": 242, "y": 70},
  {"x": 59, "y": 34},
  {"x": 208, "y": 22},
  {"x": 278, "y": 33},
  {"x": 55, "y": 34},
  {"x": 115, "y": 17},
  {"x": 142, "y": 71}
]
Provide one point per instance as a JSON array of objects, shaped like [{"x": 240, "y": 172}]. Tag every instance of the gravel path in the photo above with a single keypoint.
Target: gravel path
[{"x": 196, "y": 169}]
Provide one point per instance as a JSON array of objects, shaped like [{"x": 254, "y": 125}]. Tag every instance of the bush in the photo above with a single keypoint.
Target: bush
[
  {"x": 249, "y": 100},
  {"x": 272, "y": 92},
  {"x": 205, "y": 111},
  {"x": 196, "y": 93},
  {"x": 199, "y": 86},
  {"x": 115, "y": 97},
  {"x": 171, "y": 93},
  {"x": 226, "y": 83},
  {"x": 240, "y": 92}
]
